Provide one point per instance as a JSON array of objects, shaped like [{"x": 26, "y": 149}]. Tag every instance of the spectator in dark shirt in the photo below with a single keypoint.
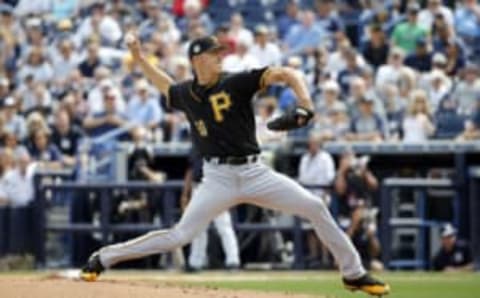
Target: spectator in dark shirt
[
  {"x": 352, "y": 70},
  {"x": 421, "y": 59},
  {"x": 43, "y": 151},
  {"x": 454, "y": 255},
  {"x": 66, "y": 136},
  {"x": 92, "y": 61},
  {"x": 376, "y": 49}
]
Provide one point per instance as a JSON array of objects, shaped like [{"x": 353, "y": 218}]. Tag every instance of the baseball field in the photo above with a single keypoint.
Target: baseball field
[{"x": 146, "y": 284}]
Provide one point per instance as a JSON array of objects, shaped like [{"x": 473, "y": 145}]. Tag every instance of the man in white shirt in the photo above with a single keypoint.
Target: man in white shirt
[
  {"x": 267, "y": 53},
  {"x": 95, "y": 97},
  {"x": 18, "y": 184},
  {"x": 316, "y": 166}
]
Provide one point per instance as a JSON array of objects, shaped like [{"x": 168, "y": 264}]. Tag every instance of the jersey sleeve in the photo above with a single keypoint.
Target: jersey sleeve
[{"x": 249, "y": 82}]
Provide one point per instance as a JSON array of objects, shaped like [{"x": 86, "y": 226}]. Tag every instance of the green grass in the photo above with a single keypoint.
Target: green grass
[{"x": 404, "y": 285}]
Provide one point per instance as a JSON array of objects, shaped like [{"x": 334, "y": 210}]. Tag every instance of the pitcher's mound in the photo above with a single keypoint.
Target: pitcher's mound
[{"x": 58, "y": 288}]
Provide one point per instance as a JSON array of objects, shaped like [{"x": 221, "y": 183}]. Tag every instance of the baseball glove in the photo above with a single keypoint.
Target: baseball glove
[{"x": 290, "y": 120}]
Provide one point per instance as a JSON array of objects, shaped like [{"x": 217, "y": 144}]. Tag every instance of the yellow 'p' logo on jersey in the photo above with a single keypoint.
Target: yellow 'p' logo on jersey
[{"x": 220, "y": 102}]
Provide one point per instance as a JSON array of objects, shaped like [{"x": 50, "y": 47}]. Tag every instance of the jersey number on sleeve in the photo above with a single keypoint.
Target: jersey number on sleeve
[
  {"x": 201, "y": 128},
  {"x": 220, "y": 103}
]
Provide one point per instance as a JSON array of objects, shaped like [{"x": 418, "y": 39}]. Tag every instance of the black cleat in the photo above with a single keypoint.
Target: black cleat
[
  {"x": 92, "y": 270},
  {"x": 368, "y": 285}
]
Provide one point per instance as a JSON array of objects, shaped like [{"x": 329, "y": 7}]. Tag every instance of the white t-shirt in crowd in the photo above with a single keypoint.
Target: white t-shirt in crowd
[
  {"x": 19, "y": 188},
  {"x": 270, "y": 55},
  {"x": 318, "y": 169},
  {"x": 413, "y": 130}
]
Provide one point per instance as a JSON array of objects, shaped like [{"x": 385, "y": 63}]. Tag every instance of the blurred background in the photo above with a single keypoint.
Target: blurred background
[{"x": 91, "y": 155}]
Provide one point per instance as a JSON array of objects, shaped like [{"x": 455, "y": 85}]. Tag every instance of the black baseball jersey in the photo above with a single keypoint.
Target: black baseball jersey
[{"x": 221, "y": 116}]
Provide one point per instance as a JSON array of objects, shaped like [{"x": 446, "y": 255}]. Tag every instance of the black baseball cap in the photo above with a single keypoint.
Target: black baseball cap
[{"x": 204, "y": 44}]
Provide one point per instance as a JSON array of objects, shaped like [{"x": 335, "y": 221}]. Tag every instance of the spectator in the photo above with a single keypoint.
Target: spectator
[
  {"x": 467, "y": 89},
  {"x": 336, "y": 61},
  {"x": 317, "y": 167},
  {"x": 39, "y": 100},
  {"x": 391, "y": 73},
  {"x": 376, "y": 48},
  {"x": 330, "y": 99},
  {"x": 467, "y": 23},
  {"x": 20, "y": 181},
  {"x": 368, "y": 126},
  {"x": 438, "y": 88},
  {"x": 421, "y": 59},
  {"x": 43, "y": 151},
  {"x": 358, "y": 91},
  {"x": 35, "y": 37},
  {"x": 64, "y": 9},
  {"x": 14, "y": 123},
  {"x": 267, "y": 53},
  {"x": 88, "y": 66},
  {"x": 95, "y": 100},
  {"x": 435, "y": 7},
  {"x": 287, "y": 98},
  {"x": 406, "y": 33},
  {"x": 224, "y": 39},
  {"x": 36, "y": 66},
  {"x": 238, "y": 32},
  {"x": 394, "y": 110},
  {"x": 454, "y": 255},
  {"x": 65, "y": 61},
  {"x": 441, "y": 32},
  {"x": 290, "y": 18},
  {"x": 108, "y": 119},
  {"x": 305, "y": 37},
  {"x": 158, "y": 21},
  {"x": 66, "y": 136},
  {"x": 35, "y": 121},
  {"x": 351, "y": 70},
  {"x": 144, "y": 107},
  {"x": 99, "y": 24},
  {"x": 327, "y": 17},
  {"x": 455, "y": 58},
  {"x": 417, "y": 124},
  {"x": 241, "y": 60},
  {"x": 472, "y": 125},
  {"x": 194, "y": 14},
  {"x": 7, "y": 163},
  {"x": 355, "y": 185}
]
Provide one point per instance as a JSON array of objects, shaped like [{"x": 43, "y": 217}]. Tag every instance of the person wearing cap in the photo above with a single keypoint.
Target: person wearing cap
[
  {"x": 407, "y": 33},
  {"x": 220, "y": 112},
  {"x": 143, "y": 107},
  {"x": 421, "y": 59},
  {"x": 267, "y": 53},
  {"x": 330, "y": 99},
  {"x": 454, "y": 255},
  {"x": 367, "y": 126}
]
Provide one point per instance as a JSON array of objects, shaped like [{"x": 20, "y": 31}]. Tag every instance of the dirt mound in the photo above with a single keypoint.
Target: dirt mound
[{"x": 57, "y": 288}]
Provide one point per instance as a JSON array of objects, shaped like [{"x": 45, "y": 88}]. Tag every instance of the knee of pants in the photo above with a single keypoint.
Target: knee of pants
[
  {"x": 314, "y": 207},
  {"x": 182, "y": 235}
]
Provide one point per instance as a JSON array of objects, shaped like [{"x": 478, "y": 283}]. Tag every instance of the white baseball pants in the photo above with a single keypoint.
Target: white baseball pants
[{"x": 225, "y": 186}]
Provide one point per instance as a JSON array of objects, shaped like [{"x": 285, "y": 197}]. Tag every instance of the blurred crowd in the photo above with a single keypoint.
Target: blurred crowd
[{"x": 409, "y": 72}]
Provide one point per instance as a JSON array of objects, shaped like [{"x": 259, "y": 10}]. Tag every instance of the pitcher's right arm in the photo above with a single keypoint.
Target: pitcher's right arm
[{"x": 158, "y": 77}]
